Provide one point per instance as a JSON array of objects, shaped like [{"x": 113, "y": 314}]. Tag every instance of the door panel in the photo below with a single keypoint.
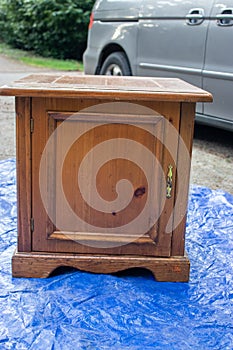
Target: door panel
[
  {"x": 98, "y": 180},
  {"x": 218, "y": 69}
]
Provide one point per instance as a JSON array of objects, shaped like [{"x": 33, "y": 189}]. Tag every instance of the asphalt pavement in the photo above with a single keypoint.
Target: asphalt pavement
[
  {"x": 10, "y": 70},
  {"x": 212, "y": 161}
]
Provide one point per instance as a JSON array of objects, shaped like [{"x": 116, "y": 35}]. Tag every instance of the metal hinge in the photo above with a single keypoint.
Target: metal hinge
[
  {"x": 32, "y": 224},
  {"x": 32, "y": 125}
]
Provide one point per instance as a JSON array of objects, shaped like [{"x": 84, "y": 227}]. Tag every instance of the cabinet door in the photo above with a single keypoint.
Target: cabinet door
[{"x": 99, "y": 180}]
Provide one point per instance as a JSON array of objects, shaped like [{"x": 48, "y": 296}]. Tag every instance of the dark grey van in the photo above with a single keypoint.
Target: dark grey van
[{"x": 192, "y": 40}]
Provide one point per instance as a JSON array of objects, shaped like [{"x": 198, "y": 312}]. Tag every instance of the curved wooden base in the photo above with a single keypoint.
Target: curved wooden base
[{"x": 41, "y": 265}]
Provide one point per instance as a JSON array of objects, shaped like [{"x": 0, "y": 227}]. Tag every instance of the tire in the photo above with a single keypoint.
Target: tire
[{"x": 116, "y": 64}]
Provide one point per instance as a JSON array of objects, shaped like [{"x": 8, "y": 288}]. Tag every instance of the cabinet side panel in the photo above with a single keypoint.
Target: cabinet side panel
[
  {"x": 171, "y": 112},
  {"x": 23, "y": 156},
  {"x": 183, "y": 177}
]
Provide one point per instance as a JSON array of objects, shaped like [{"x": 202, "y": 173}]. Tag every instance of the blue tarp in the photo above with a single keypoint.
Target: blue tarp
[{"x": 130, "y": 310}]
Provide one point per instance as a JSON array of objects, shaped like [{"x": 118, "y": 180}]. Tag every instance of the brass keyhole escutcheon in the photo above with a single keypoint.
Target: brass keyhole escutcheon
[{"x": 169, "y": 181}]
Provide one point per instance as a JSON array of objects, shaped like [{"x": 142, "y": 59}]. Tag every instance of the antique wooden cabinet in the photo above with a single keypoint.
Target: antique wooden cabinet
[{"x": 103, "y": 173}]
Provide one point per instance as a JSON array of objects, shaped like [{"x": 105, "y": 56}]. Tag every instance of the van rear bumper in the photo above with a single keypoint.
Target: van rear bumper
[{"x": 90, "y": 60}]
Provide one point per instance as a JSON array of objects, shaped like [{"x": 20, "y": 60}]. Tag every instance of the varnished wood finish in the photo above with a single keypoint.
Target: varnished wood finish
[
  {"x": 126, "y": 88},
  {"x": 23, "y": 149},
  {"x": 40, "y": 108},
  {"x": 182, "y": 184},
  {"x": 43, "y": 102},
  {"x": 41, "y": 265}
]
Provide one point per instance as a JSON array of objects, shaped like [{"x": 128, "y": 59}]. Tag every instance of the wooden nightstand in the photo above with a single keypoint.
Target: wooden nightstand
[{"x": 103, "y": 173}]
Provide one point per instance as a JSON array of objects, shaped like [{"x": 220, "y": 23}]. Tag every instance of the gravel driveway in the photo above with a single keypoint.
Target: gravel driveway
[{"x": 212, "y": 161}]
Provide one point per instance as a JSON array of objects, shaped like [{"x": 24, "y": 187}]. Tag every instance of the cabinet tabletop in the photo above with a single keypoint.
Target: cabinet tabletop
[{"x": 107, "y": 87}]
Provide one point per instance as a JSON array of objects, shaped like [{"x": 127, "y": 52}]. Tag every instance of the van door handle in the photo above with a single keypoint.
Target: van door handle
[
  {"x": 195, "y": 17},
  {"x": 225, "y": 19}
]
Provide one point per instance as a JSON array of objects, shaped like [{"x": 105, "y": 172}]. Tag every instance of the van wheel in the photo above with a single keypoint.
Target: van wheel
[{"x": 116, "y": 64}]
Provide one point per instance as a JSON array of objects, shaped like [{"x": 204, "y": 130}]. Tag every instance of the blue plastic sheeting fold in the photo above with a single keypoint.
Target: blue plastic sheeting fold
[{"x": 77, "y": 310}]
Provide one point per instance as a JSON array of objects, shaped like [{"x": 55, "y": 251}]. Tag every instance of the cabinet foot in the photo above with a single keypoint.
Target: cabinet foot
[{"x": 41, "y": 265}]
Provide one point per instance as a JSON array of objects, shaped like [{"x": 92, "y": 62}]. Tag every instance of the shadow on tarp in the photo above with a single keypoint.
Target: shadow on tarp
[{"x": 77, "y": 310}]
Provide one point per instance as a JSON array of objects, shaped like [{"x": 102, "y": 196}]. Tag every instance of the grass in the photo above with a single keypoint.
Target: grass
[{"x": 29, "y": 58}]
